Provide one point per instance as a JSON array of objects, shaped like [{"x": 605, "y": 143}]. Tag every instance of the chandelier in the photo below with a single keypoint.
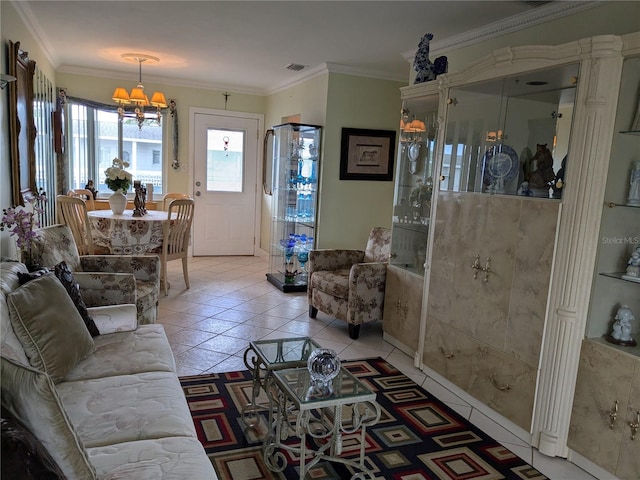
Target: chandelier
[{"x": 137, "y": 97}]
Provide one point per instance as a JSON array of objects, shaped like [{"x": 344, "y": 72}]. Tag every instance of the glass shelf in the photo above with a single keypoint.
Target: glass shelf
[
  {"x": 631, "y": 132},
  {"x": 618, "y": 275}
]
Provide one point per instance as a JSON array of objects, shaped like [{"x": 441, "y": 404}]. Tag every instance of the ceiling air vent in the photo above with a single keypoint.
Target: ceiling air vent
[{"x": 296, "y": 67}]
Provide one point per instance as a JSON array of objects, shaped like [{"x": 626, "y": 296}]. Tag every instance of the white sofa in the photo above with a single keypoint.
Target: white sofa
[{"x": 108, "y": 407}]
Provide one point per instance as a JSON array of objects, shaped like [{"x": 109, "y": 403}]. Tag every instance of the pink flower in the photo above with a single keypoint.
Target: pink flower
[{"x": 22, "y": 221}]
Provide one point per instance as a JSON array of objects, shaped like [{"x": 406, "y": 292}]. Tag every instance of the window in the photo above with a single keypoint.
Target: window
[
  {"x": 225, "y": 160},
  {"x": 96, "y": 137}
]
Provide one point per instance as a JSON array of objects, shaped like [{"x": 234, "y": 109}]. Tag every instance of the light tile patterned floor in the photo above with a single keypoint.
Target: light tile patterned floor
[{"x": 231, "y": 303}]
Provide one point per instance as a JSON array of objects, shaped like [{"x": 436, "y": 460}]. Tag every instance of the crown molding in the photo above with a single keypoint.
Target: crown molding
[
  {"x": 124, "y": 76},
  {"x": 29, "y": 19},
  {"x": 536, "y": 16}
]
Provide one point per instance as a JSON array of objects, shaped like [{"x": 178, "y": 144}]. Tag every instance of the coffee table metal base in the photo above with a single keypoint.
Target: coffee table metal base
[{"x": 319, "y": 423}]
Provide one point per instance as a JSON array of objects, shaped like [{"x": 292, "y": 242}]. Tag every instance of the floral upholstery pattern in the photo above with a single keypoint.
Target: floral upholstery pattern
[
  {"x": 104, "y": 279},
  {"x": 350, "y": 284}
]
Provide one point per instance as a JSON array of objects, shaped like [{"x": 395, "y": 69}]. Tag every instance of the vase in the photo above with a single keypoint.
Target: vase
[{"x": 118, "y": 202}]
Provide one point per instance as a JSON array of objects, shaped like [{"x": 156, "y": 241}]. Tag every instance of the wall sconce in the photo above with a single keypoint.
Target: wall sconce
[{"x": 5, "y": 80}]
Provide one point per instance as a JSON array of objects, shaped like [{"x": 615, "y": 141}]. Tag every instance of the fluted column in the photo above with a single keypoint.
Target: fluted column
[{"x": 577, "y": 242}]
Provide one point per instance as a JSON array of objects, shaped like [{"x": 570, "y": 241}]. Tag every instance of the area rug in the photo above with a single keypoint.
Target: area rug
[{"x": 417, "y": 438}]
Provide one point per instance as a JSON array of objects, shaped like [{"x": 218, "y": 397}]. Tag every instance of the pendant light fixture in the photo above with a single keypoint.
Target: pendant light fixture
[{"x": 137, "y": 97}]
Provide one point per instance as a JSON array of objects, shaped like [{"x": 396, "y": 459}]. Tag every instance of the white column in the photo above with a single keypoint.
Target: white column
[{"x": 577, "y": 242}]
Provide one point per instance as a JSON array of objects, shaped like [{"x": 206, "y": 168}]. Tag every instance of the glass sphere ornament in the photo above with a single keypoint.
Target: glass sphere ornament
[{"x": 323, "y": 365}]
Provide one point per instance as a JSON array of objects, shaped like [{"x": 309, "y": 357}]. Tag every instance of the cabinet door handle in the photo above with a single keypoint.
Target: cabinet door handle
[
  {"x": 500, "y": 386},
  {"x": 447, "y": 354},
  {"x": 613, "y": 414},
  {"x": 476, "y": 266},
  {"x": 634, "y": 425}
]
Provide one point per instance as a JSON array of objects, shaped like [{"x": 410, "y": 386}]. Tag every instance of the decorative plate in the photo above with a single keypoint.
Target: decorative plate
[{"x": 500, "y": 163}]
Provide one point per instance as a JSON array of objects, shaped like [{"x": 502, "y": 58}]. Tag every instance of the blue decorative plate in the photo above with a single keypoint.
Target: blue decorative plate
[{"x": 500, "y": 163}]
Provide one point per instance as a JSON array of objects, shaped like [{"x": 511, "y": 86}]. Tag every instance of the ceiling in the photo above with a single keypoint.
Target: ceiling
[{"x": 244, "y": 46}]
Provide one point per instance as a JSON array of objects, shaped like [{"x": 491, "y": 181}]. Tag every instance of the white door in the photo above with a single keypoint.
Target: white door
[{"x": 225, "y": 183}]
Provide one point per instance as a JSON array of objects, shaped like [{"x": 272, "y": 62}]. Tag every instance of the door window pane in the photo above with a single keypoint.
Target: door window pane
[{"x": 225, "y": 160}]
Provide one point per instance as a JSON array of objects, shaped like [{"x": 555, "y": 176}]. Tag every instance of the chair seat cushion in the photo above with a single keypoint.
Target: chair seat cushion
[{"x": 334, "y": 283}]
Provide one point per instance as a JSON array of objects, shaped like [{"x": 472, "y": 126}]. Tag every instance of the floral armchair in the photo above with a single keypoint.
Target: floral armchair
[
  {"x": 103, "y": 279},
  {"x": 350, "y": 284}
]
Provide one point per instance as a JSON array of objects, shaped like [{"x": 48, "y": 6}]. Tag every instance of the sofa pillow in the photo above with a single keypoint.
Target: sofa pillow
[
  {"x": 23, "y": 456},
  {"x": 64, "y": 274},
  {"x": 49, "y": 326},
  {"x": 31, "y": 398}
]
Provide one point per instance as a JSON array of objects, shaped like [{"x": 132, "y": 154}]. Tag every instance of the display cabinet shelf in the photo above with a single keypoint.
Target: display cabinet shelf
[{"x": 618, "y": 275}]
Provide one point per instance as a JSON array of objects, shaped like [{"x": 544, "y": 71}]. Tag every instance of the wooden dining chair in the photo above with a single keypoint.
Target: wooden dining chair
[
  {"x": 85, "y": 195},
  {"x": 72, "y": 211},
  {"x": 169, "y": 197},
  {"x": 175, "y": 241}
]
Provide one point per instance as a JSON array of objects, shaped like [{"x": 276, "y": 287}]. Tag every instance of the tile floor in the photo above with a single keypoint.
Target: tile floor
[{"x": 230, "y": 303}]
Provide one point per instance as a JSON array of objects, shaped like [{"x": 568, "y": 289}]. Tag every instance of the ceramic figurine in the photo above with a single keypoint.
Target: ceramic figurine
[
  {"x": 634, "y": 185},
  {"x": 426, "y": 70},
  {"x": 621, "y": 334},
  {"x": 633, "y": 267}
]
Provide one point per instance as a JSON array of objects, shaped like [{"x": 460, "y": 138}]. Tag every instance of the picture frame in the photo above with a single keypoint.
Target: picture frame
[
  {"x": 22, "y": 129},
  {"x": 367, "y": 154}
]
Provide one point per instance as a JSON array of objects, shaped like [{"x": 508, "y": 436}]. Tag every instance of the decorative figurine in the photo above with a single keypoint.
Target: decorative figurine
[
  {"x": 538, "y": 171},
  {"x": 427, "y": 71},
  {"x": 89, "y": 186},
  {"x": 634, "y": 185},
  {"x": 558, "y": 183},
  {"x": 621, "y": 334},
  {"x": 633, "y": 267}
]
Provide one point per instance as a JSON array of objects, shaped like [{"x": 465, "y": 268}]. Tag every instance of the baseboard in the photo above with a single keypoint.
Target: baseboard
[
  {"x": 590, "y": 467},
  {"x": 398, "y": 344}
]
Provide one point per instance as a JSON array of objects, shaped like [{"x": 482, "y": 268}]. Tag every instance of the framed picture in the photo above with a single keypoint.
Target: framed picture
[
  {"x": 367, "y": 154},
  {"x": 22, "y": 129}
]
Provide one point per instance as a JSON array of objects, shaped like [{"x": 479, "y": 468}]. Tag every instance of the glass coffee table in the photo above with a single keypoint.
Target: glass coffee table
[
  {"x": 319, "y": 414},
  {"x": 262, "y": 357}
]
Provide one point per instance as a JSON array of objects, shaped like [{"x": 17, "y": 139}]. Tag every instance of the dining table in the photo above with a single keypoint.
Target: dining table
[{"x": 124, "y": 234}]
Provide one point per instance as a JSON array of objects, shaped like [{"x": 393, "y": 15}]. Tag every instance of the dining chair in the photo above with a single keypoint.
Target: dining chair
[
  {"x": 169, "y": 197},
  {"x": 85, "y": 195},
  {"x": 72, "y": 211},
  {"x": 176, "y": 237}
]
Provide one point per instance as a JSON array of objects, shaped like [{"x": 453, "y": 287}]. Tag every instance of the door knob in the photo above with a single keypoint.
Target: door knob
[{"x": 198, "y": 193}]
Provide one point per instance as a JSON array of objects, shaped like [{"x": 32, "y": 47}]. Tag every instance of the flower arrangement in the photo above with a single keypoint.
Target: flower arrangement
[
  {"x": 117, "y": 177},
  {"x": 22, "y": 221}
]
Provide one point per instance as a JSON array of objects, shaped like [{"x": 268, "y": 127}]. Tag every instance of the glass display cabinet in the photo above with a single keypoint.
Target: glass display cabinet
[
  {"x": 510, "y": 136},
  {"x": 414, "y": 183},
  {"x": 606, "y": 410},
  {"x": 296, "y": 154}
]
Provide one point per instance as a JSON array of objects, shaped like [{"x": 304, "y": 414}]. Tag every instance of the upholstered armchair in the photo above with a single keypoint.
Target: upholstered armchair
[
  {"x": 350, "y": 284},
  {"x": 103, "y": 279}
]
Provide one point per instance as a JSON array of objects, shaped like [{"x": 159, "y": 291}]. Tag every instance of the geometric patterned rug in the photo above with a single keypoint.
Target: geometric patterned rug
[{"x": 417, "y": 437}]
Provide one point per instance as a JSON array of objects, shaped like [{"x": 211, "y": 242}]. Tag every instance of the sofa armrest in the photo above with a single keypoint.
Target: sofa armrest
[
  {"x": 99, "y": 289},
  {"x": 143, "y": 267},
  {"x": 367, "y": 280},
  {"x": 333, "y": 259},
  {"x": 114, "y": 318}
]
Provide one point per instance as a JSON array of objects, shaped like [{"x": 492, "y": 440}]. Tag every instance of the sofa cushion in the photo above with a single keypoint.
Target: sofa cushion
[
  {"x": 49, "y": 326},
  {"x": 145, "y": 349},
  {"x": 24, "y": 456},
  {"x": 169, "y": 458},
  {"x": 335, "y": 282},
  {"x": 110, "y": 410},
  {"x": 30, "y": 396},
  {"x": 10, "y": 346}
]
